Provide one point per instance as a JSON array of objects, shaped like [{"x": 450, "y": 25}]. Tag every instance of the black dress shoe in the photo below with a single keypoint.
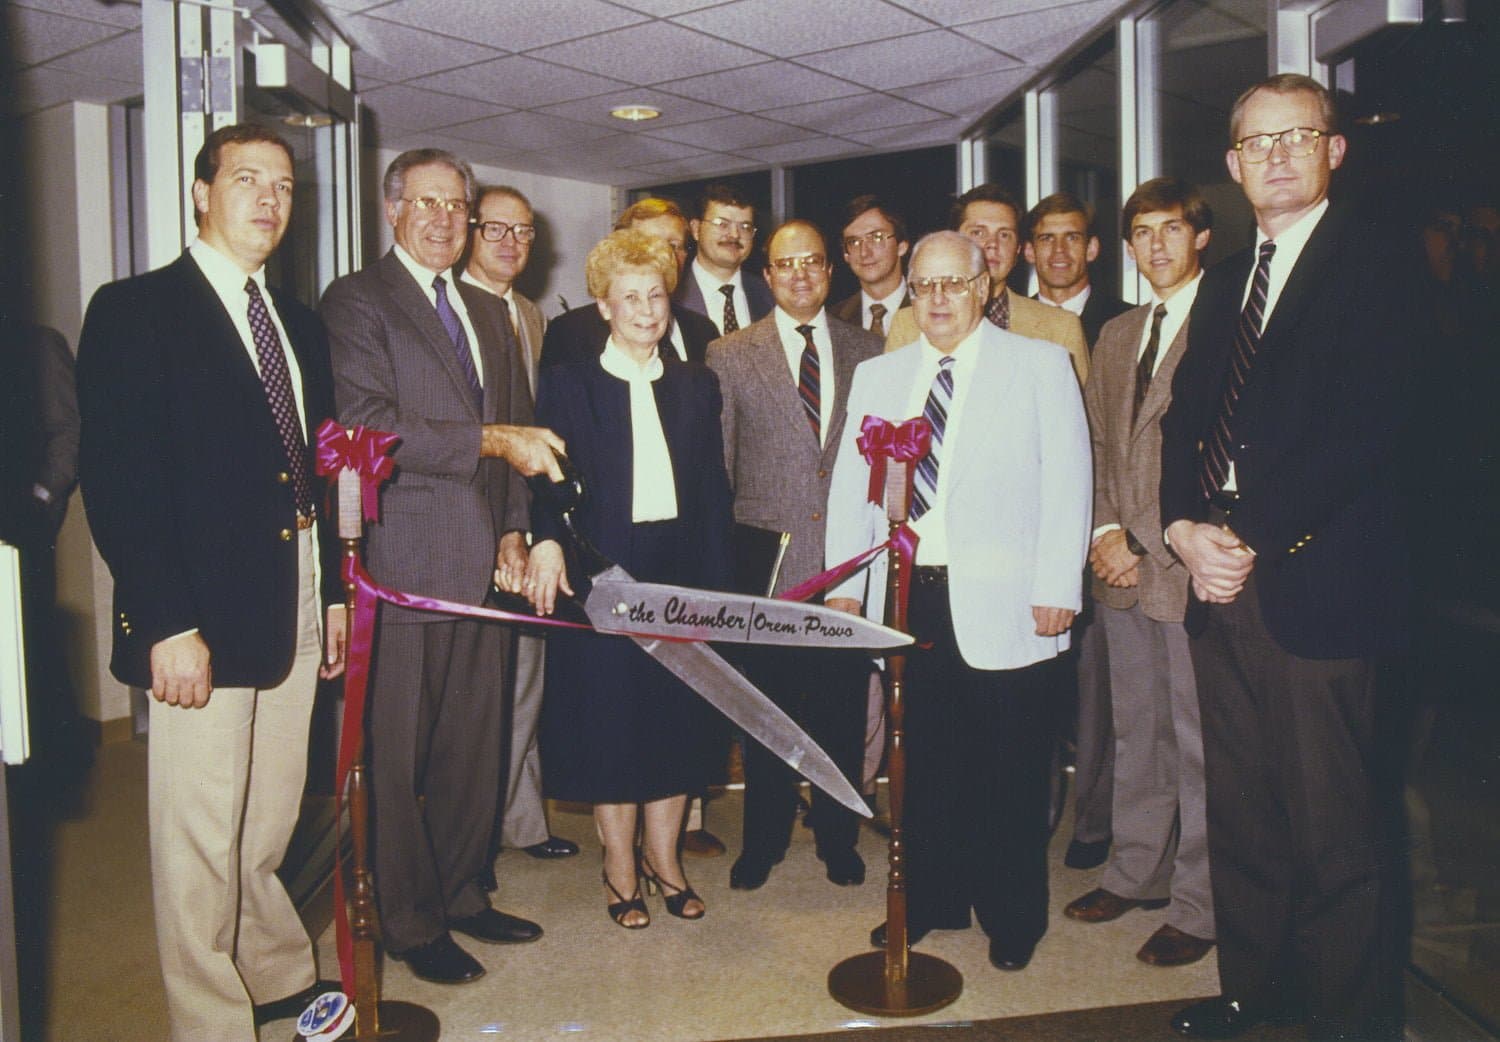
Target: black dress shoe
[
  {"x": 493, "y": 926},
  {"x": 441, "y": 961},
  {"x": 291, "y": 1007},
  {"x": 751, "y": 871},
  {"x": 1086, "y": 855},
  {"x": 1219, "y": 1017},
  {"x": 845, "y": 867},
  {"x": 551, "y": 848},
  {"x": 914, "y": 933},
  {"x": 1010, "y": 955}
]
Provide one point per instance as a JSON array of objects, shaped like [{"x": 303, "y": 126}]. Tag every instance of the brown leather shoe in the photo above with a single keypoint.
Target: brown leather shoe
[
  {"x": 701, "y": 843},
  {"x": 1169, "y": 946},
  {"x": 1101, "y": 906}
]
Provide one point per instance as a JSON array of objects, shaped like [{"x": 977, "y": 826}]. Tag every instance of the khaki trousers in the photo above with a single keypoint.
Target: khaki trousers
[{"x": 225, "y": 791}]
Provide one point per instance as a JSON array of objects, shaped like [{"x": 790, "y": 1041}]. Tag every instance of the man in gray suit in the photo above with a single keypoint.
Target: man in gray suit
[
  {"x": 785, "y": 380},
  {"x": 1160, "y": 831},
  {"x": 422, "y": 356},
  {"x": 500, "y": 245}
]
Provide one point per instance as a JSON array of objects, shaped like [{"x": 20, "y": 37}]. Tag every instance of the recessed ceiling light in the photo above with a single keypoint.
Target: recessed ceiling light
[
  {"x": 635, "y": 113},
  {"x": 297, "y": 119},
  {"x": 1375, "y": 119}
]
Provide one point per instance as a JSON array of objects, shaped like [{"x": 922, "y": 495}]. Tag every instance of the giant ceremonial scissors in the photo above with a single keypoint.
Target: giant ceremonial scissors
[{"x": 670, "y": 623}]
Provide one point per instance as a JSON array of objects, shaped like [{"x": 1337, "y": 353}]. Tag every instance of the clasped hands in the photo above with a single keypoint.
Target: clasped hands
[
  {"x": 1217, "y": 559},
  {"x": 1112, "y": 560}
]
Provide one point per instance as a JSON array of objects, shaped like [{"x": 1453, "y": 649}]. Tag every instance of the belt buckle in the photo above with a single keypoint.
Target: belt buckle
[{"x": 304, "y": 522}]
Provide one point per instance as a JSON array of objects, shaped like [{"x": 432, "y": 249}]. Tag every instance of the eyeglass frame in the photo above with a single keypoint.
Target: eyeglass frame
[
  {"x": 515, "y": 231},
  {"x": 932, "y": 282},
  {"x": 802, "y": 262},
  {"x": 1276, "y": 138},
  {"x": 724, "y": 224},
  {"x": 877, "y": 238},
  {"x": 429, "y": 203}
]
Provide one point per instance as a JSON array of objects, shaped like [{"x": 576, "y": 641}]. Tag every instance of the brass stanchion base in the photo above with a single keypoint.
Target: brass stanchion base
[
  {"x": 859, "y": 983},
  {"x": 401, "y": 1022}
]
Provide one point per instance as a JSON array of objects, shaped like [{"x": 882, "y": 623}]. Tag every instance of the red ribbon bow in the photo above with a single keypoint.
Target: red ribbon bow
[
  {"x": 365, "y": 453},
  {"x": 880, "y": 440}
]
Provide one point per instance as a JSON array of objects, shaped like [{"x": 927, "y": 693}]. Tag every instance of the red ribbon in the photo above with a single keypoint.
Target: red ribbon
[
  {"x": 880, "y": 440},
  {"x": 365, "y": 452}
]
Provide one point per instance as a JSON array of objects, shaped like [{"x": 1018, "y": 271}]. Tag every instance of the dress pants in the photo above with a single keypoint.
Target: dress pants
[
  {"x": 978, "y": 776},
  {"x": 225, "y": 786},
  {"x": 524, "y": 817},
  {"x": 1303, "y": 880},
  {"x": 1094, "y": 760},
  {"x": 435, "y": 744},
  {"x": 826, "y": 692},
  {"x": 1160, "y": 821}
]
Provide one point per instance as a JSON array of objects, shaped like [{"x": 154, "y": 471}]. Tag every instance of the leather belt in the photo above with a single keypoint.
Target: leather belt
[{"x": 1224, "y": 500}]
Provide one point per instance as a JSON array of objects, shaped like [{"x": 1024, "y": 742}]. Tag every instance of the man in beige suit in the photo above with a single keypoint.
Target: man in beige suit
[
  {"x": 1160, "y": 855},
  {"x": 500, "y": 245},
  {"x": 990, "y": 216}
]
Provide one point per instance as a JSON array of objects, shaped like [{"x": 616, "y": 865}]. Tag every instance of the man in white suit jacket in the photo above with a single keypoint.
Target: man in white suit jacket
[{"x": 995, "y": 588}]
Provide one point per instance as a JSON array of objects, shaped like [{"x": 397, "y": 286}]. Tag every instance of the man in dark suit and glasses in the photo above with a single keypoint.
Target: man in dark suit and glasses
[
  {"x": 1280, "y": 492},
  {"x": 199, "y": 390},
  {"x": 715, "y": 283},
  {"x": 431, "y": 359}
]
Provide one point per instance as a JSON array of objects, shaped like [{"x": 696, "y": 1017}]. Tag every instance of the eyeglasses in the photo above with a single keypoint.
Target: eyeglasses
[
  {"x": 724, "y": 224},
  {"x": 1297, "y": 142},
  {"x": 874, "y": 239},
  {"x": 803, "y": 262},
  {"x": 951, "y": 285},
  {"x": 495, "y": 231},
  {"x": 432, "y": 204}
]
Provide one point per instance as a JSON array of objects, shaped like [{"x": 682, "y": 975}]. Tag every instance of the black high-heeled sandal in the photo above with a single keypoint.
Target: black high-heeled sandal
[
  {"x": 674, "y": 897},
  {"x": 623, "y": 906}
]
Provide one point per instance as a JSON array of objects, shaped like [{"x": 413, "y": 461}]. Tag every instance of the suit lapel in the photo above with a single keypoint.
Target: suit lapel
[
  {"x": 224, "y": 343},
  {"x": 768, "y": 359},
  {"x": 843, "y": 376},
  {"x": 994, "y": 376},
  {"x": 1317, "y": 258},
  {"x": 412, "y": 300}
]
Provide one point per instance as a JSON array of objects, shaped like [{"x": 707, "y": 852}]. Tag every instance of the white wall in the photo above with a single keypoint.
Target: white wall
[
  {"x": 571, "y": 217},
  {"x": 68, "y": 206}
]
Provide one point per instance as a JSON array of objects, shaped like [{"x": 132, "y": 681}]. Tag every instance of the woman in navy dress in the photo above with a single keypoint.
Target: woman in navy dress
[{"x": 642, "y": 428}]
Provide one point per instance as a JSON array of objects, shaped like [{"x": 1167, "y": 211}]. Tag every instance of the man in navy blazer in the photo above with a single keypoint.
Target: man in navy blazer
[
  {"x": 1279, "y": 492},
  {"x": 715, "y": 283},
  {"x": 199, "y": 392}
]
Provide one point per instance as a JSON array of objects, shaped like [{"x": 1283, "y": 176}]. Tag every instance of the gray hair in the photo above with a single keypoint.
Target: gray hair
[
  {"x": 970, "y": 248},
  {"x": 394, "y": 186}
]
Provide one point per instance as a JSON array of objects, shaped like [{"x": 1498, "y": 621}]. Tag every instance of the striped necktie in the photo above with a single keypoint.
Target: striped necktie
[
  {"x": 807, "y": 384},
  {"x": 939, "y": 400},
  {"x": 1216, "y": 447},
  {"x": 455, "y": 329}
]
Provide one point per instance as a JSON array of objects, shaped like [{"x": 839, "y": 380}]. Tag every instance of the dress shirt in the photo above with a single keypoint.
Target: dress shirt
[
  {"x": 793, "y": 345},
  {"x": 653, "y": 494},
  {"x": 932, "y": 549},
  {"x": 713, "y": 300},
  {"x": 1074, "y": 303},
  {"x": 892, "y": 305},
  {"x": 424, "y": 277}
]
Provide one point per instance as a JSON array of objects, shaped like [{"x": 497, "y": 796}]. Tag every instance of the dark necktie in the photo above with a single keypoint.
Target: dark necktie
[
  {"x": 277, "y": 381},
  {"x": 1216, "y": 447},
  {"x": 510, "y": 340},
  {"x": 998, "y": 309},
  {"x": 807, "y": 383},
  {"x": 877, "y": 318},
  {"x": 455, "y": 329},
  {"x": 939, "y": 400},
  {"x": 731, "y": 321},
  {"x": 1146, "y": 368}
]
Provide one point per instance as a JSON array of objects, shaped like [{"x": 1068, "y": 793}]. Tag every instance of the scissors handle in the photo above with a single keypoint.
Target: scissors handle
[{"x": 563, "y": 498}]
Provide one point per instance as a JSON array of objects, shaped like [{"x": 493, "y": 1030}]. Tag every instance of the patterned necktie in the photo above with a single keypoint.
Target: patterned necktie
[
  {"x": 1146, "y": 368},
  {"x": 731, "y": 321},
  {"x": 998, "y": 309},
  {"x": 510, "y": 340},
  {"x": 277, "y": 381},
  {"x": 1216, "y": 454},
  {"x": 877, "y": 318},
  {"x": 449, "y": 318},
  {"x": 939, "y": 400},
  {"x": 807, "y": 383}
]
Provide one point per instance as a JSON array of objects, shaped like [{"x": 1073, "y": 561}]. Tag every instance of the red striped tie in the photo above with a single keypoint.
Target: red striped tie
[{"x": 807, "y": 384}]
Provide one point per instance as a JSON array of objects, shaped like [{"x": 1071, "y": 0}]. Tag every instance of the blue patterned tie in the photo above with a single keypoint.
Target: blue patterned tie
[
  {"x": 1216, "y": 447},
  {"x": 939, "y": 400},
  {"x": 807, "y": 384},
  {"x": 449, "y": 318},
  {"x": 277, "y": 381}
]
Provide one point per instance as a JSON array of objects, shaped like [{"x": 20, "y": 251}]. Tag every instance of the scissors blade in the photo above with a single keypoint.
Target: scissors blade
[{"x": 618, "y": 603}]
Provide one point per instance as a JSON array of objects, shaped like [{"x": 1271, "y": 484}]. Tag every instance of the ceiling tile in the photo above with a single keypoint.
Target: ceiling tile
[
  {"x": 665, "y": 8},
  {"x": 394, "y": 52},
  {"x": 762, "y": 87},
  {"x": 116, "y": 59},
  {"x": 1017, "y": 34},
  {"x": 674, "y": 110},
  {"x": 911, "y": 59},
  {"x": 512, "y": 26},
  {"x": 702, "y": 166},
  {"x": 733, "y": 133},
  {"x": 525, "y": 131},
  {"x": 861, "y": 112},
  {"x": 522, "y": 82},
  {"x": 43, "y": 87},
  {"x": 959, "y": 12},
  {"x": 632, "y": 149},
  {"x": 803, "y": 151},
  {"x": 913, "y": 135},
  {"x": 763, "y": 24},
  {"x": 354, "y": 5},
  {"x": 649, "y": 53},
  {"x": 109, "y": 12},
  {"x": 406, "y": 106},
  {"x": 41, "y": 35},
  {"x": 971, "y": 96}
]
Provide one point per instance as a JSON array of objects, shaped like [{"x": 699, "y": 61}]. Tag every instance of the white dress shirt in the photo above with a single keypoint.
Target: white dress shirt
[
  {"x": 713, "y": 298},
  {"x": 424, "y": 277},
  {"x": 932, "y": 549},
  {"x": 653, "y": 495},
  {"x": 793, "y": 344}
]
